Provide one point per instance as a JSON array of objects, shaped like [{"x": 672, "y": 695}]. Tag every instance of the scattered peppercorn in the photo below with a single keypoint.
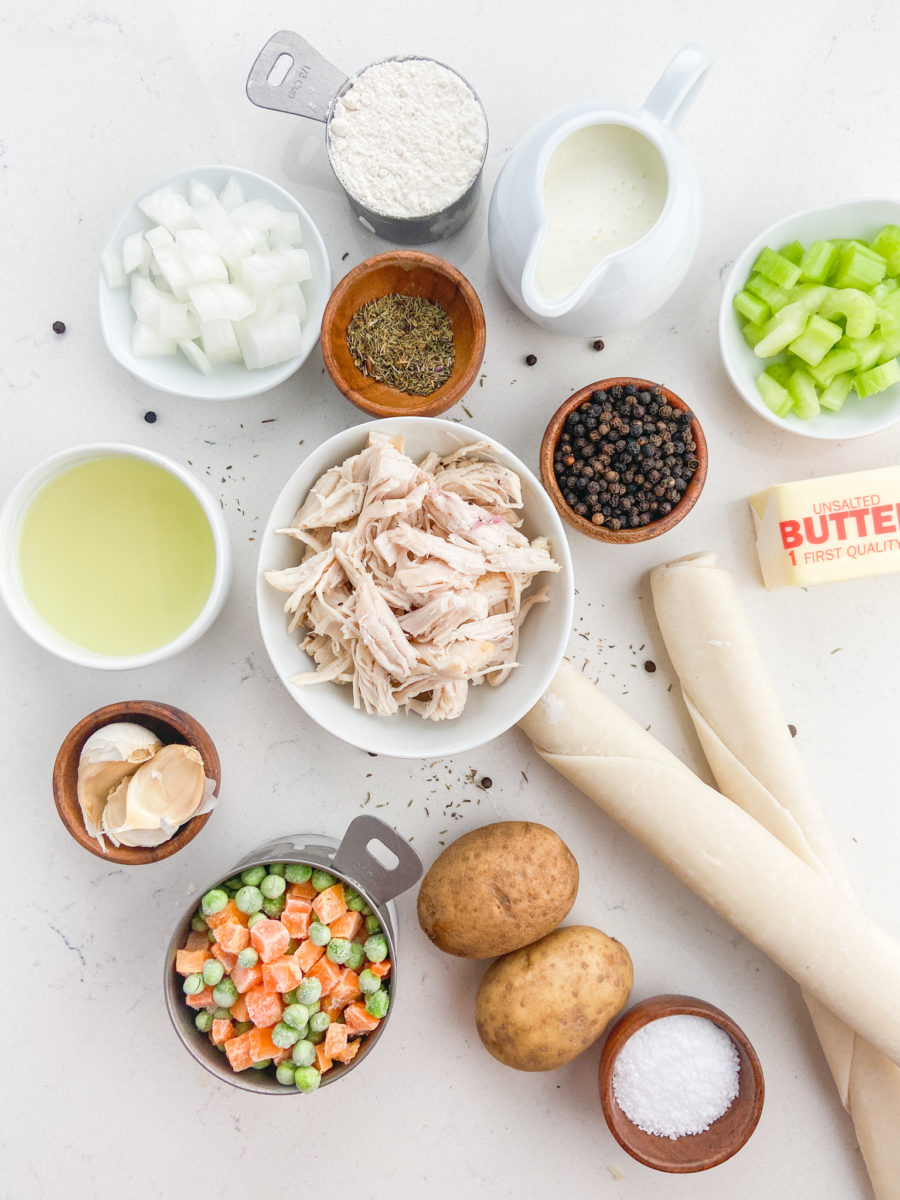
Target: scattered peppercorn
[
  {"x": 530, "y": 360},
  {"x": 486, "y": 782},
  {"x": 625, "y": 457},
  {"x": 598, "y": 343},
  {"x": 150, "y": 417},
  {"x": 59, "y": 327},
  {"x": 792, "y": 730},
  {"x": 649, "y": 666}
]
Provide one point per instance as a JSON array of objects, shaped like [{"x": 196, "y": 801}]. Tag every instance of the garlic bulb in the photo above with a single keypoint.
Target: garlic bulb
[
  {"x": 147, "y": 808},
  {"x": 109, "y": 756}
]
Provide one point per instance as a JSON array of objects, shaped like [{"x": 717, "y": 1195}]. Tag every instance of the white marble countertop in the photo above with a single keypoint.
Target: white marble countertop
[{"x": 100, "y": 99}]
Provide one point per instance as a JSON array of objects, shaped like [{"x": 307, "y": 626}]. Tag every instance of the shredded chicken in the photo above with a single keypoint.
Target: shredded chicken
[{"x": 410, "y": 586}]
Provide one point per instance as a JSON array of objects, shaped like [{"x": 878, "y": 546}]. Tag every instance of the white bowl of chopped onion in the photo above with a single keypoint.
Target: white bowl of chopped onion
[
  {"x": 213, "y": 284},
  {"x": 385, "y": 581}
]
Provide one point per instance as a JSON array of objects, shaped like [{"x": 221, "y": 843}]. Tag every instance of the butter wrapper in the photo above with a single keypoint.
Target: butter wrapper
[{"x": 830, "y": 529}]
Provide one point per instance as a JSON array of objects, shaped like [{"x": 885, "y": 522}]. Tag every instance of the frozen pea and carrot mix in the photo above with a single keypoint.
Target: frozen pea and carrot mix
[{"x": 287, "y": 967}]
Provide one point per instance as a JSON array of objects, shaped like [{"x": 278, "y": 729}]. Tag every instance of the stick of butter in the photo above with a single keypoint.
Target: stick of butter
[{"x": 825, "y": 530}]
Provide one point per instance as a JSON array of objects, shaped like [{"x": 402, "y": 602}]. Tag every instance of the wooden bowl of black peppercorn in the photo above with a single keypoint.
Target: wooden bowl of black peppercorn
[{"x": 623, "y": 460}]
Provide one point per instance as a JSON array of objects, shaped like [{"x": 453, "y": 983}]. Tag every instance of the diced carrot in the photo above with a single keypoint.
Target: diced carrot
[
  {"x": 295, "y": 922},
  {"x": 197, "y": 939},
  {"x": 281, "y": 975},
  {"x": 346, "y": 989},
  {"x": 327, "y": 973},
  {"x": 230, "y": 912},
  {"x": 322, "y": 1059},
  {"x": 265, "y": 1007},
  {"x": 302, "y": 891},
  {"x": 358, "y": 1020},
  {"x": 331, "y": 1010},
  {"x": 202, "y": 999},
  {"x": 222, "y": 1031},
  {"x": 190, "y": 962},
  {"x": 330, "y": 904},
  {"x": 382, "y": 969},
  {"x": 296, "y": 904},
  {"x": 239, "y": 1010},
  {"x": 233, "y": 937},
  {"x": 308, "y": 955},
  {"x": 238, "y": 1051},
  {"x": 261, "y": 1044},
  {"x": 245, "y": 978},
  {"x": 270, "y": 939},
  {"x": 346, "y": 926},
  {"x": 281, "y": 1056},
  {"x": 336, "y": 1036},
  {"x": 349, "y": 1052},
  {"x": 228, "y": 961}
]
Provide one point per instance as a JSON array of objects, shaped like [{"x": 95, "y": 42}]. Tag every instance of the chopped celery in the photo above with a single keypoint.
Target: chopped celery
[
  {"x": 859, "y": 309},
  {"x": 835, "y": 362},
  {"x": 816, "y": 340},
  {"x": 752, "y": 307},
  {"x": 753, "y": 333},
  {"x": 858, "y": 267},
  {"x": 793, "y": 252},
  {"x": 766, "y": 290},
  {"x": 774, "y": 266},
  {"x": 887, "y": 244},
  {"x": 890, "y": 348},
  {"x": 810, "y": 295},
  {"x": 884, "y": 290},
  {"x": 869, "y": 349},
  {"x": 836, "y": 393},
  {"x": 888, "y": 314},
  {"x": 774, "y": 396},
  {"x": 818, "y": 261},
  {"x": 804, "y": 394},
  {"x": 781, "y": 329},
  {"x": 780, "y": 372},
  {"x": 868, "y": 383}
]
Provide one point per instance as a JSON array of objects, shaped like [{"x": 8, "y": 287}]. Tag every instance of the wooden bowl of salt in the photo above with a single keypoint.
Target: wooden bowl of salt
[{"x": 680, "y": 1095}]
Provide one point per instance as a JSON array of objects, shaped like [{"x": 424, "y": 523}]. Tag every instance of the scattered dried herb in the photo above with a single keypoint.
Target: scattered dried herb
[
  {"x": 792, "y": 730},
  {"x": 405, "y": 342}
]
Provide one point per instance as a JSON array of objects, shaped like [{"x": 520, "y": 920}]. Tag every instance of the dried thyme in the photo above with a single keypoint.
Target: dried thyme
[{"x": 405, "y": 342}]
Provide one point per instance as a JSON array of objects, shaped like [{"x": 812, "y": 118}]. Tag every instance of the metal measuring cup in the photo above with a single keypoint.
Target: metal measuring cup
[{"x": 312, "y": 88}]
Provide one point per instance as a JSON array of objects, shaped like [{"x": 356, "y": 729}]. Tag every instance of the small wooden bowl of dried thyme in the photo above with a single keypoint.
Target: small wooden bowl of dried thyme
[
  {"x": 403, "y": 335},
  {"x": 623, "y": 460}
]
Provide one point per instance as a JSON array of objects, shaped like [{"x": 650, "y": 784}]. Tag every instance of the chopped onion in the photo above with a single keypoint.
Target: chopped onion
[
  {"x": 146, "y": 342},
  {"x": 264, "y": 343},
  {"x": 195, "y": 356},
  {"x": 113, "y": 270},
  {"x": 219, "y": 342}
]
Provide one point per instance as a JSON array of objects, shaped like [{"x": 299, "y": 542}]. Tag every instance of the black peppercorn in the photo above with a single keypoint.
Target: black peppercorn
[
  {"x": 150, "y": 417},
  {"x": 530, "y": 360},
  {"x": 58, "y": 327}
]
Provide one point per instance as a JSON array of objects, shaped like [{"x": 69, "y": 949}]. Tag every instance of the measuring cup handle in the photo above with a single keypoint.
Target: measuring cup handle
[
  {"x": 678, "y": 85},
  {"x": 353, "y": 860},
  {"x": 309, "y": 86}
]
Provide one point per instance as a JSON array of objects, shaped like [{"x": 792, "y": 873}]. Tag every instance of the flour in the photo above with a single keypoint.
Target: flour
[{"x": 408, "y": 138}]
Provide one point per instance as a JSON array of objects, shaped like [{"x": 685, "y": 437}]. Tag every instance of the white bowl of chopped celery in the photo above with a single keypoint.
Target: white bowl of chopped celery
[
  {"x": 213, "y": 284},
  {"x": 809, "y": 324}
]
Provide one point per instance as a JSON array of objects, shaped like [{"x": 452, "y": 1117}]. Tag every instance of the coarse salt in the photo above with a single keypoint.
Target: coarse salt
[{"x": 676, "y": 1075}]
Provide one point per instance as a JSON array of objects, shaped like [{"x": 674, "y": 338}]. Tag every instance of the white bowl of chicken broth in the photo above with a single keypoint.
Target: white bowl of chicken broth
[{"x": 414, "y": 587}]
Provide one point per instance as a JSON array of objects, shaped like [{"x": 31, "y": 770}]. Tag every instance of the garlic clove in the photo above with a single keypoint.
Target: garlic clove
[
  {"x": 160, "y": 796},
  {"x": 95, "y": 783},
  {"x": 111, "y": 754}
]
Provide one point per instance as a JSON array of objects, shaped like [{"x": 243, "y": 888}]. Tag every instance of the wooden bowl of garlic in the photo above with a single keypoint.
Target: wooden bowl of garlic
[{"x": 136, "y": 781}]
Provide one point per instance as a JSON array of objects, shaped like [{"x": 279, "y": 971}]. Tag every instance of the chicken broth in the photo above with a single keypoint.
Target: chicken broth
[{"x": 117, "y": 555}]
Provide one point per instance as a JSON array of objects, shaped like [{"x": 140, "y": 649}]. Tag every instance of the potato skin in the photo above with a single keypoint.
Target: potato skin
[
  {"x": 543, "y": 1005},
  {"x": 496, "y": 889}
]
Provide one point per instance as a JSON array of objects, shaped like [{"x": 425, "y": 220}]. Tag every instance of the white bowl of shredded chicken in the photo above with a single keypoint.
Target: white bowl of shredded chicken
[{"x": 415, "y": 587}]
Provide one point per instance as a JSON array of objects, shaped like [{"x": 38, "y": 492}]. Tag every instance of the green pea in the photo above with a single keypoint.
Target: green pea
[
  {"x": 220, "y": 1046},
  {"x": 277, "y": 869},
  {"x": 377, "y": 1004},
  {"x": 255, "y": 919},
  {"x": 319, "y": 1022},
  {"x": 308, "y": 992},
  {"x": 284, "y": 1035},
  {"x": 295, "y": 1015},
  {"x": 198, "y": 923},
  {"x": 225, "y": 993},
  {"x": 253, "y": 876},
  {"x": 222, "y": 1014},
  {"x": 355, "y": 903},
  {"x": 366, "y": 911},
  {"x": 319, "y": 934},
  {"x": 273, "y": 906},
  {"x": 273, "y": 886},
  {"x": 192, "y": 985},
  {"x": 369, "y": 982},
  {"x": 213, "y": 902},
  {"x": 262, "y": 1064},
  {"x": 338, "y": 950},
  {"x": 322, "y": 880},
  {"x": 247, "y": 957},
  {"x": 203, "y": 1021},
  {"x": 376, "y": 948},
  {"x": 373, "y": 925},
  {"x": 242, "y": 1027},
  {"x": 233, "y": 883},
  {"x": 357, "y": 956},
  {"x": 249, "y": 899},
  {"x": 307, "y": 1079},
  {"x": 284, "y": 1073},
  {"x": 211, "y": 935},
  {"x": 212, "y": 972},
  {"x": 297, "y": 872},
  {"x": 314, "y": 1037},
  {"x": 304, "y": 1053},
  {"x": 290, "y": 998}
]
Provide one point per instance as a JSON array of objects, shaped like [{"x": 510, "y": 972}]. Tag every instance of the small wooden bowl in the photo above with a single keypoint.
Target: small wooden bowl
[
  {"x": 170, "y": 725},
  {"x": 600, "y": 532},
  {"x": 693, "y": 1152},
  {"x": 409, "y": 273}
]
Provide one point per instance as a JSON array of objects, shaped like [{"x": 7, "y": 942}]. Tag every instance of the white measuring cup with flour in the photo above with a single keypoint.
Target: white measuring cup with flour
[
  {"x": 412, "y": 177},
  {"x": 595, "y": 217}
]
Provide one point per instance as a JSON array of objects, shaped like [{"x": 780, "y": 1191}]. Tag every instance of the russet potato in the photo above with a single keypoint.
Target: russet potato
[
  {"x": 497, "y": 888},
  {"x": 541, "y": 1006}
]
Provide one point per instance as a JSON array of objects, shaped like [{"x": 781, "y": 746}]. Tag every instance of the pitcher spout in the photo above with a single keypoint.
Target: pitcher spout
[{"x": 538, "y": 302}]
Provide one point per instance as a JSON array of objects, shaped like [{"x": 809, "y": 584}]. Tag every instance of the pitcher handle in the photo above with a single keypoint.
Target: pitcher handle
[
  {"x": 308, "y": 88},
  {"x": 678, "y": 85}
]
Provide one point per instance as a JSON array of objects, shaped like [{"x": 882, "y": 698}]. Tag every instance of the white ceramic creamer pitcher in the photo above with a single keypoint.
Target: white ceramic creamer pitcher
[{"x": 595, "y": 216}]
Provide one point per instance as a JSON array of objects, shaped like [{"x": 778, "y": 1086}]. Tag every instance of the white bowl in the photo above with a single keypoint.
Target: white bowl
[
  {"x": 857, "y": 219},
  {"x": 12, "y": 516},
  {"x": 489, "y": 711},
  {"x": 230, "y": 381}
]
